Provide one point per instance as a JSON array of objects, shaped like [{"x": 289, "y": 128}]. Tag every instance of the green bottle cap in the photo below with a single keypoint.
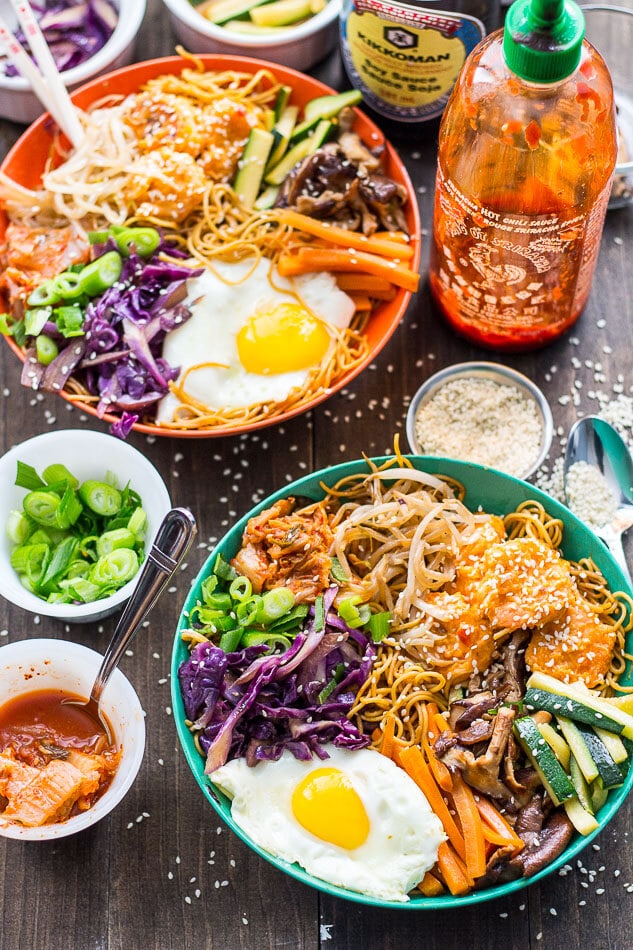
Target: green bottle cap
[{"x": 542, "y": 39}]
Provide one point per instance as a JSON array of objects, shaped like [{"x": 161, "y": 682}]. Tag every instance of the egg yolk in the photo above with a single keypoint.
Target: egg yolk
[
  {"x": 282, "y": 340},
  {"x": 327, "y": 805}
]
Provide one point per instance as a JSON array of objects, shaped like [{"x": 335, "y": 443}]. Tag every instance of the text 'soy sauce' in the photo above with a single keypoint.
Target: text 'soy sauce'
[
  {"x": 405, "y": 57},
  {"x": 527, "y": 150}
]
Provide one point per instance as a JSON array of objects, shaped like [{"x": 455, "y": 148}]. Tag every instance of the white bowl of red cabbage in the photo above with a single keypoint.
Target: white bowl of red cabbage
[
  {"x": 79, "y": 511},
  {"x": 87, "y": 38}
]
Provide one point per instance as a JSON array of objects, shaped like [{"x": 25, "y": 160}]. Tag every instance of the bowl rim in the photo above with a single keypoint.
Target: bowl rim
[
  {"x": 125, "y": 31},
  {"x": 187, "y": 14},
  {"x": 309, "y": 485},
  {"x": 154, "y": 485},
  {"x": 484, "y": 370},
  {"x": 133, "y": 705},
  {"x": 388, "y": 313}
]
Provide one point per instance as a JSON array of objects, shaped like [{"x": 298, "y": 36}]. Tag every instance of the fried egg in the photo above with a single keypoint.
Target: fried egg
[
  {"x": 356, "y": 819},
  {"x": 262, "y": 333}
]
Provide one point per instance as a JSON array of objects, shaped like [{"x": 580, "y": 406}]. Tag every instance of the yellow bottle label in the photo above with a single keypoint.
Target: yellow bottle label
[{"x": 405, "y": 59}]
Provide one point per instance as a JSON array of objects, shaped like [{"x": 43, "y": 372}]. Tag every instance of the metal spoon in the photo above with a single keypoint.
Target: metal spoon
[
  {"x": 594, "y": 441},
  {"x": 173, "y": 538}
]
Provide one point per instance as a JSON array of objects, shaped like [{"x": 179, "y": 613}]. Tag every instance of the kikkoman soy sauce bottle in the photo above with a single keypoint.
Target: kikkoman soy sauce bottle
[{"x": 527, "y": 149}]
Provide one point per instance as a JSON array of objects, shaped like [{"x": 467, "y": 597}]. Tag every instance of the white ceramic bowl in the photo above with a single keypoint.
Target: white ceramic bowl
[
  {"x": 30, "y": 665},
  {"x": 86, "y": 454},
  {"x": 19, "y": 104},
  {"x": 299, "y": 47},
  {"x": 497, "y": 373}
]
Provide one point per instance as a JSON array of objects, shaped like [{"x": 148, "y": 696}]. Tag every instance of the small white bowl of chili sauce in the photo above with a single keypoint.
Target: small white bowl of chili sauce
[{"x": 59, "y": 772}]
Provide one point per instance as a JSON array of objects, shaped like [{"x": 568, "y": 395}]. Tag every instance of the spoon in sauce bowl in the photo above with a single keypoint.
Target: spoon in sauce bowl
[
  {"x": 598, "y": 477},
  {"x": 173, "y": 539}
]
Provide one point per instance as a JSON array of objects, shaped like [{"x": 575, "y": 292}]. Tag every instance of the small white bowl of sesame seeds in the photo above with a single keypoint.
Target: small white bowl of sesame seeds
[{"x": 484, "y": 413}]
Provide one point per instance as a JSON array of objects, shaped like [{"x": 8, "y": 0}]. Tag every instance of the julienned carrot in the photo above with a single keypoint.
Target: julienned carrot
[
  {"x": 493, "y": 817},
  {"x": 337, "y": 235},
  {"x": 308, "y": 259},
  {"x": 388, "y": 733},
  {"x": 412, "y": 761},
  {"x": 472, "y": 829},
  {"x": 375, "y": 287},
  {"x": 361, "y": 302},
  {"x": 493, "y": 837},
  {"x": 430, "y": 886},
  {"x": 441, "y": 723},
  {"x": 440, "y": 772},
  {"x": 453, "y": 870}
]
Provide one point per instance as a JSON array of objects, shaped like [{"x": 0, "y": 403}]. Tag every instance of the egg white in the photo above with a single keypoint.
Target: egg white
[
  {"x": 220, "y": 308},
  {"x": 404, "y": 834}
]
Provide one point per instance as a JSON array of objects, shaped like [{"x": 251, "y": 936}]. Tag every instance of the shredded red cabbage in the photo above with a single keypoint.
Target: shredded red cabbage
[
  {"x": 74, "y": 31},
  {"x": 118, "y": 357},
  {"x": 254, "y": 704}
]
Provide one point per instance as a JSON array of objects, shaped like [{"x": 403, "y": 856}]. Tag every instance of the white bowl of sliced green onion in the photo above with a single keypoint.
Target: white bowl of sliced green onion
[{"x": 80, "y": 510}]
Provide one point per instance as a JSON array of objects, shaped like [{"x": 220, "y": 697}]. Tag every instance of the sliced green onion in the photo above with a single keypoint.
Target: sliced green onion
[
  {"x": 378, "y": 625},
  {"x": 27, "y": 477},
  {"x": 29, "y": 554},
  {"x": 354, "y": 612},
  {"x": 319, "y": 613},
  {"x": 98, "y": 237},
  {"x": 337, "y": 676},
  {"x": 223, "y": 570},
  {"x": 274, "y": 604},
  {"x": 81, "y": 589},
  {"x": 18, "y": 527},
  {"x": 42, "y": 507},
  {"x": 36, "y": 318},
  {"x": 272, "y": 641},
  {"x": 112, "y": 540},
  {"x": 100, "y": 497},
  {"x": 45, "y": 295},
  {"x": 101, "y": 273},
  {"x": 57, "y": 474},
  {"x": 137, "y": 523},
  {"x": 142, "y": 240},
  {"x": 230, "y": 641},
  {"x": 69, "y": 320},
  {"x": 116, "y": 568},
  {"x": 45, "y": 349},
  {"x": 70, "y": 509},
  {"x": 241, "y": 588},
  {"x": 61, "y": 557},
  {"x": 337, "y": 572},
  {"x": 68, "y": 285},
  {"x": 220, "y": 601}
]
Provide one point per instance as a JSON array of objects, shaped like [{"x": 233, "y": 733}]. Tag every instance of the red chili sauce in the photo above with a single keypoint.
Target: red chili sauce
[{"x": 55, "y": 758}]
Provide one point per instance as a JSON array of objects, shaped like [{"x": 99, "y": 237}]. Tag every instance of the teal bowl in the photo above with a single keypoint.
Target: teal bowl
[{"x": 494, "y": 492}]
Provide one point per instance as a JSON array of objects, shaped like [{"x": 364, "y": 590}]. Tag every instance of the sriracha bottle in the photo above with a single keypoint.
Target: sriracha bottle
[{"x": 527, "y": 150}]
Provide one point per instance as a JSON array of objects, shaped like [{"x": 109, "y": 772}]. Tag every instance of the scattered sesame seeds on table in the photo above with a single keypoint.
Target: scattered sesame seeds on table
[{"x": 160, "y": 872}]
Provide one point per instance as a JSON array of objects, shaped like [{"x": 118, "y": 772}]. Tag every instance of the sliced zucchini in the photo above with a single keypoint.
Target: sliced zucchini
[
  {"x": 267, "y": 198},
  {"x": 551, "y": 773},
  {"x": 297, "y": 153},
  {"x": 225, "y": 10},
  {"x": 582, "y": 820},
  {"x": 617, "y": 749},
  {"x": 608, "y": 770},
  {"x": 282, "y": 132},
  {"x": 599, "y": 795},
  {"x": 580, "y": 783},
  {"x": 252, "y": 164},
  {"x": 623, "y": 702},
  {"x": 302, "y": 129},
  {"x": 579, "y": 748},
  {"x": 603, "y": 709},
  {"x": 556, "y": 743},
  {"x": 561, "y": 704},
  {"x": 326, "y": 107},
  {"x": 282, "y": 101}
]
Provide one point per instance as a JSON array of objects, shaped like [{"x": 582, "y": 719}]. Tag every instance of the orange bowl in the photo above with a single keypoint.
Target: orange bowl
[{"x": 26, "y": 162}]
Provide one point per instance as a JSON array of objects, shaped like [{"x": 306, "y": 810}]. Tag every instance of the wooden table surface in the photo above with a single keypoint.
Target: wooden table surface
[{"x": 161, "y": 871}]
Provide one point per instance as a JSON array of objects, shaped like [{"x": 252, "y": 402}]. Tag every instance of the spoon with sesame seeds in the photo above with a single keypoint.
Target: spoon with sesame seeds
[{"x": 598, "y": 477}]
